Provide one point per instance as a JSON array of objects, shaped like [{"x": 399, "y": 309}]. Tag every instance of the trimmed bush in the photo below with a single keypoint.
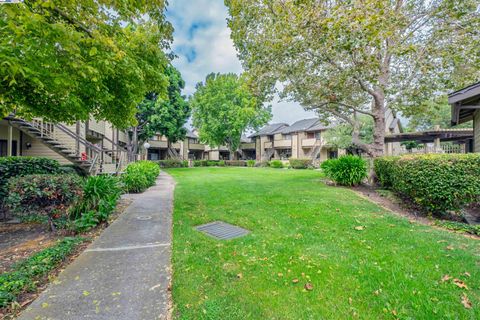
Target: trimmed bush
[
  {"x": 200, "y": 163},
  {"x": 22, "y": 166},
  {"x": 300, "y": 163},
  {"x": 215, "y": 163},
  {"x": 44, "y": 194},
  {"x": 140, "y": 175},
  {"x": 235, "y": 163},
  {"x": 276, "y": 164},
  {"x": 437, "y": 182},
  {"x": 99, "y": 199},
  {"x": 346, "y": 170},
  {"x": 172, "y": 163},
  {"x": 262, "y": 164},
  {"x": 250, "y": 163},
  {"x": 24, "y": 275}
]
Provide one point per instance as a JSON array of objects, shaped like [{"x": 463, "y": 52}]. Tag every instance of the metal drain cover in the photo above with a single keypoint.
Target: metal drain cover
[{"x": 222, "y": 230}]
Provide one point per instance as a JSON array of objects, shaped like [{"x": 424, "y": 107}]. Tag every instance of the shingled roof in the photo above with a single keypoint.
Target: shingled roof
[
  {"x": 269, "y": 129},
  {"x": 313, "y": 124}
]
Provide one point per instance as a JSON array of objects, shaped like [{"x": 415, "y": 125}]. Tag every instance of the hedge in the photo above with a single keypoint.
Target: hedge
[
  {"x": 276, "y": 164},
  {"x": 437, "y": 182},
  {"x": 300, "y": 163},
  {"x": 236, "y": 163},
  {"x": 172, "y": 163},
  {"x": 22, "y": 166}
]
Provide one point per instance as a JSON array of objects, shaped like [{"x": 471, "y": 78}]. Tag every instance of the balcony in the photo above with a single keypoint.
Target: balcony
[
  {"x": 158, "y": 144},
  {"x": 247, "y": 146},
  {"x": 283, "y": 144},
  {"x": 196, "y": 146},
  {"x": 97, "y": 126},
  {"x": 268, "y": 145},
  {"x": 309, "y": 143}
]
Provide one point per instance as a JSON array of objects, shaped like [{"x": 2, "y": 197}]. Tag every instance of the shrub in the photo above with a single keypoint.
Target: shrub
[
  {"x": 71, "y": 169},
  {"x": 200, "y": 163},
  {"x": 215, "y": 163},
  {"x": 235, "y": 163},
  {"x": 99, "y": 199},
  {"x": 250, "y": 163},
  {"x": 300, "y": 163},
  {"x": 276, "y": 164},
  {"x": 346, "y": 170},
  {"x": 44, "y": 194},
  {"x": 140, "y": 175},
  {"x": 437, "y": 182},
  {"x": 172, "y": 163},
  {"x": 24, "y": 275},
  {"x": 262, "y": 164},
  {"x": 22, "y": 166}
]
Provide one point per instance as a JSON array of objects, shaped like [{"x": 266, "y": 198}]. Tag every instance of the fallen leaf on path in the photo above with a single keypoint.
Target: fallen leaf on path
[
  {"x": 466, "y": 302},
  {"x": 308, "y": 286},
  {"x": 459, "y": 283}
]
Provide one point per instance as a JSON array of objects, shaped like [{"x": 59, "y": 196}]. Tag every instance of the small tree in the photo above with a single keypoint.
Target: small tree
[
  {"x": 224, "y": 108},
  {"x": 161, "y": 114}
]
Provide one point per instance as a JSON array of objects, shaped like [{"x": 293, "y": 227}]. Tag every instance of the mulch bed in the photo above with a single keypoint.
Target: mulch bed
[{"x": 19, "y": 241}]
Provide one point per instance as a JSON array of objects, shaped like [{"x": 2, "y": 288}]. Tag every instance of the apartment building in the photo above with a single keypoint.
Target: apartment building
[
  {"x": 302, "y": 140},
  {"x": 94, "y": 146}
]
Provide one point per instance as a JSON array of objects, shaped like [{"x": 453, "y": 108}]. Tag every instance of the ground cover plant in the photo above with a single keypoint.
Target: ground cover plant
[
  {"x": 172, "y": 163},
  {"x": 276, "y": 164},
  {"x": 300, "y": 163},
  {"x": 437, "y": 182},
  {"x": 320, "y": 252},
  {"x": 24, "y": 274}
]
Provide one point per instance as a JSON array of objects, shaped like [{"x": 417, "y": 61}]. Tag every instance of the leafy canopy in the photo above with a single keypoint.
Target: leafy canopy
[
  {"x": 224, "y": 108},
  {"x": 68, "y": 60},
  {"x": 343, "y": 58},
  {"x": 165, "y": 115}
]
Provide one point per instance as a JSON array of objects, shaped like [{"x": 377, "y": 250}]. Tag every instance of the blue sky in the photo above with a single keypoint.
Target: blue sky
[{"x": 203, "y": 45}]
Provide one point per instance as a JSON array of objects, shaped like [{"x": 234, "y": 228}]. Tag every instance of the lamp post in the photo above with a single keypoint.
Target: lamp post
[{"x": 146, "y": 145}]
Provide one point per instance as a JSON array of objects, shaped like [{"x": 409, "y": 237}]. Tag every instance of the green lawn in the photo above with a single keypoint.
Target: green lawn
[{"x": 305, "y": 230}]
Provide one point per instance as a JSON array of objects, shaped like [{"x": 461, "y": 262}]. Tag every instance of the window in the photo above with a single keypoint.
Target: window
[
  {"x": 310, "y": 135},
  {"x": 3, "y": 148},
  {"x": 318, "y": 135},
  {"x": 287, "y": 137}
]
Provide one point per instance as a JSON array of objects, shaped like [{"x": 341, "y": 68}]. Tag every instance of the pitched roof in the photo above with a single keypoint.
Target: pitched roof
[
  {"x": 191, "y": 134},
  {"x": 269, "y": 129},
  {"x": 313, "y": 124}
]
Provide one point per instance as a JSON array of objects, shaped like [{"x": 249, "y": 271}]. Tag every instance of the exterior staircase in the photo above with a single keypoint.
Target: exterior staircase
[
  {"x": 72, "y": 146},
  {"x": 268, "y": 154},
  {"x": 173, "y": 154}
]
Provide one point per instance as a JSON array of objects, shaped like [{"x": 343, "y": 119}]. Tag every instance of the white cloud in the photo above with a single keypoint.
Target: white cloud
[{"x": 203, "y": 45}]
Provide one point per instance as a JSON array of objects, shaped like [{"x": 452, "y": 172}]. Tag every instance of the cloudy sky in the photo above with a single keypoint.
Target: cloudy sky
[{"x": 202, "y": 43}]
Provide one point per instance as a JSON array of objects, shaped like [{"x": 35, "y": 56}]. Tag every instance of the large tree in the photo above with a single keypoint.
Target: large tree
[
  {"x": 345, "y": 58},
  {"x": 69, "y": 60},
  {"x": 224, "y": 108},
  {"x": 161, "y": 115}
]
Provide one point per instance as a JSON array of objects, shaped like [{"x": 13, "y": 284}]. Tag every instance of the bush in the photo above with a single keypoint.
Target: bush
[
  {"x": 200, "y": 163},
  {"x": 24, "y": 275},
  {"x": 437, "y": 182},
  {"x": 172, "y": 163},
  {"x": 276, "y": 164},
  {"x": 22, "y": 166},
  {"x": 140, "y": 175},
  {"x": 99, "y": 199},
  {"x": 235, "y": 163},
  {"x": 71, "y": 169},
  {"x": 250, "y": 163},
  {"x": 215, "y": 163},
  {"x": 44, "y": 194},
  {"x": 346, "y": 170},
  {"x": 300, "y": 163},
  {"x": 262, "y": 164}
]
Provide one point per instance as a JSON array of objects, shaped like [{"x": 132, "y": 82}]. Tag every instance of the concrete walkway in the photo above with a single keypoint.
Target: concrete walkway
[{"x": 124, "y": 273}]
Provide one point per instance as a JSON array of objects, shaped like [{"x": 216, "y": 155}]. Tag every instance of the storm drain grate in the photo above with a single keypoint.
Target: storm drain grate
[{"x": 221, "y": 230}]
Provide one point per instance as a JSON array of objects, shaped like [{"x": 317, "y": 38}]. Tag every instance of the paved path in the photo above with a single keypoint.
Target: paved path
[{"x": 124, "y": 273}]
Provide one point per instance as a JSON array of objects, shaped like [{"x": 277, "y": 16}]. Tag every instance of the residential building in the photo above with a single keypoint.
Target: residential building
[
  {"x": 465, "y": 105},
  {"x": 94, "y": 146},
  {"x": 303, "y": 139}
]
